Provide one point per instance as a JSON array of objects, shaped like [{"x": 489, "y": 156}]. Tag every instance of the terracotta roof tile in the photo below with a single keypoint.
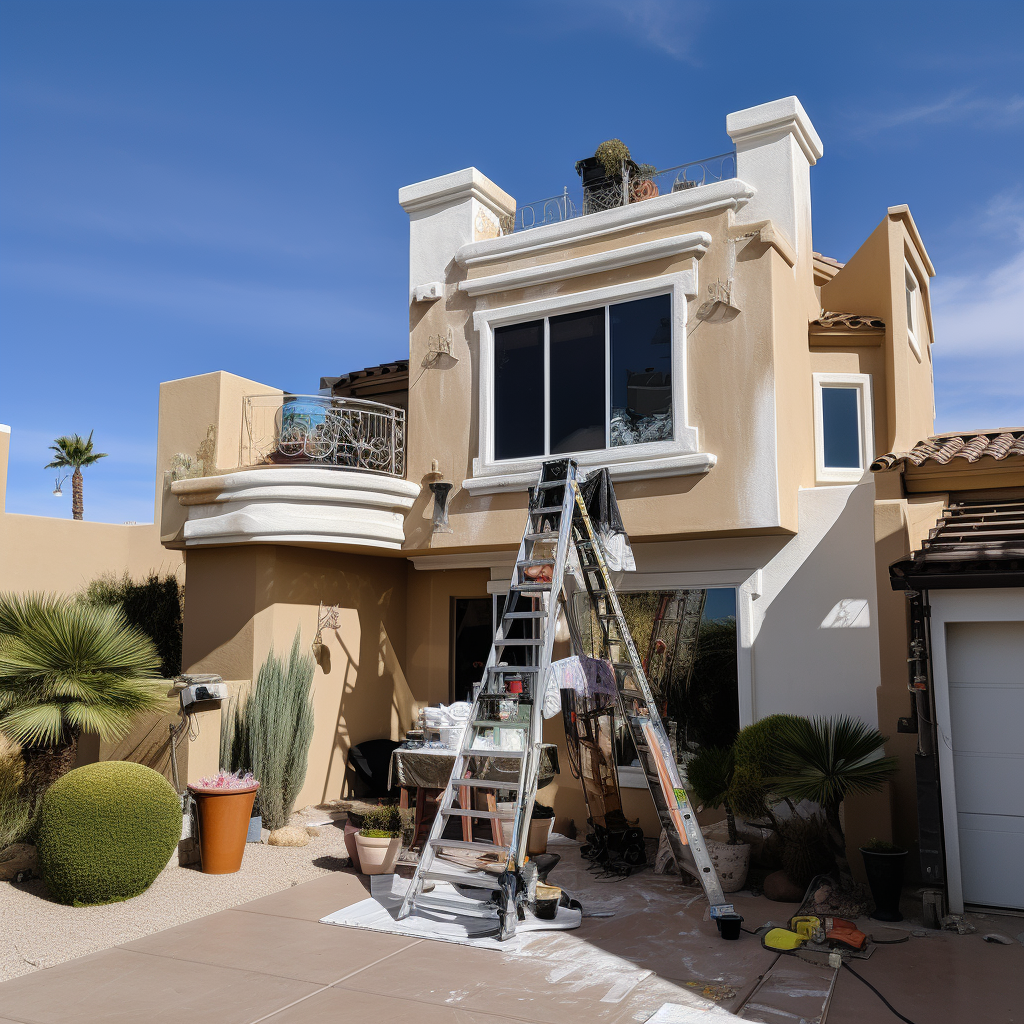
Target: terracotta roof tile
[
  {"x": 970, "y": 446},
  {"x": 849, "y": 321}
]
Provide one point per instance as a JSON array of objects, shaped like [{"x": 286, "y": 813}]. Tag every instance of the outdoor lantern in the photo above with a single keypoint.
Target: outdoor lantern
[{"x": 57, "y": 492}]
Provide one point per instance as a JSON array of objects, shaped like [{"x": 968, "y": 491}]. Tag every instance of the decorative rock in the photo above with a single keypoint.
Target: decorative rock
[
  {"x": 312, "y": 830},
  {"x": 18, "y": 859},
  {"x": 290, "y": 835},
  {"x": 778, "y": 887}
]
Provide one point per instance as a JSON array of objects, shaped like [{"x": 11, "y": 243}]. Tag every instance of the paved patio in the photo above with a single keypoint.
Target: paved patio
[{"x": 271, "y": 960}]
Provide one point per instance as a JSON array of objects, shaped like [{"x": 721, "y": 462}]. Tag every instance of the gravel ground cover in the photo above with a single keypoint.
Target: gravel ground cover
[{"x": 37, "y": 932}]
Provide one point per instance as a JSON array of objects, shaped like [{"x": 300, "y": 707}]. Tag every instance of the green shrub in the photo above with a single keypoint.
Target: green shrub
[
  {"x": 105, "y": 831},
  {"x": 154, "y": 605},
  {"x": 382, "y": 823},
  {"x": 881, "y": 846},
  {"x": 611, "y": 154},
  {"x": 15, "y": 810},
  {"x": 270, "y": 732}
]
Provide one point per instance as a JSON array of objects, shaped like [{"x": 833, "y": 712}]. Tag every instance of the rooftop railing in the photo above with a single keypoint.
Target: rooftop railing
[
  {"x": 633, "y": 186},
  {"x": 344, "y": 433}
]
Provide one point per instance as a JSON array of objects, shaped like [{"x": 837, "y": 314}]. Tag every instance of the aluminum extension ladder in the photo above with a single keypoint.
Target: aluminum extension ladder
[{"x": 491, "y": 873}]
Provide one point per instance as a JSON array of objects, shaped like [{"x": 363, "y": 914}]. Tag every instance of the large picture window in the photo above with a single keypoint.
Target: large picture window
[{"x": 584, "y": 381}]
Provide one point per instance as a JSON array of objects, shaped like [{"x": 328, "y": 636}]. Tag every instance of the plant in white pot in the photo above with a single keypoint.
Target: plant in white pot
[
  {"x": 379, "y": 840},
  {"x": 710, "y": 773}
]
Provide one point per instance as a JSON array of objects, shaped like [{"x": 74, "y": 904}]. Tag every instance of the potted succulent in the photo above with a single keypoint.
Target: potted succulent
[
  {"x": 710, "y": 772},
  {"x": 883, "y": 864},
  {"x": 224, "y": 808},
  {"x": 379, "y": 841},
  {"x": 541, "y": 822}
]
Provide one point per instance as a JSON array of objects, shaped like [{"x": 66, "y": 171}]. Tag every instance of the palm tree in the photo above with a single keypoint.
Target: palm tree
[
  {"x": 66, "y": 668},
  {"x": 824, "y": 759},
  {"x": 73, "y": 453}
]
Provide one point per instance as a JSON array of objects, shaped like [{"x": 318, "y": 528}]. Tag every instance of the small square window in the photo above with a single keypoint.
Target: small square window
[{"x": 843, "y": 437}]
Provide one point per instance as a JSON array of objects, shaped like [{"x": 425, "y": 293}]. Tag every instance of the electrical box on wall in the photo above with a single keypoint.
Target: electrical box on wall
[{"x": 203, "y": 696}]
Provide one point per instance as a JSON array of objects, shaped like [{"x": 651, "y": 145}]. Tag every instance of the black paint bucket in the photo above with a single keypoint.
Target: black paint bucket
[{"x": 729, "y": 925}]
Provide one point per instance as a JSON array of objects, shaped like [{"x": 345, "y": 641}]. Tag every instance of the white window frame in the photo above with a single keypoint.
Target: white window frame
[
  {"x": 860, "y": 382},
  {"x": 677, "y": 457},
  {"x": 913, "y": 297}
]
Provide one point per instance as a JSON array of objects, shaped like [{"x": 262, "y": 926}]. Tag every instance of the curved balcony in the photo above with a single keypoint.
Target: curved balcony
[{"x": 315, "y": 471}]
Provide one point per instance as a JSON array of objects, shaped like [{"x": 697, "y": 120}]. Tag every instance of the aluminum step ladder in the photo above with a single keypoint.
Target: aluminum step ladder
[{"x": 506, "y": 723}]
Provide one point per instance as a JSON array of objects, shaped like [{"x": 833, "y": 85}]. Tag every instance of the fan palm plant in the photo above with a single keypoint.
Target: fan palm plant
[
  {"x": 68, "y": 668},
  {"x": 74, "y": 452},
  {"x": 824, "y": 759}
]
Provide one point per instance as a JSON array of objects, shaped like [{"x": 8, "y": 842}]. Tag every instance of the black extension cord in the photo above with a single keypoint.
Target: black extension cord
[{"x": 906, "y": 1020}]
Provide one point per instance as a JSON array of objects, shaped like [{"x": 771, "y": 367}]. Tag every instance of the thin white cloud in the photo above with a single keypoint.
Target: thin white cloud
[
  {"x": 982, "y": 312},
  {"x": 988, "y": 112},
  {"x": 666, "y": 25}
]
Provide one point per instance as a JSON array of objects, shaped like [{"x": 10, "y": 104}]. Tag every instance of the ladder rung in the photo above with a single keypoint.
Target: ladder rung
[
  {"x": 518, "y": 642},
  {"x": 535, "y": 561},
  {"x": 476, "y": 881},
  {"x": 501, "y": 725},
  {"x": 462, "y": 844},
  {"x": 471, "y": 908},
  {"x": 462, "y": 812},
  {"x": 493, "y": 753},
  {"x": 514, "y": 669},
  {"x": 547, "y": 484},
  {"x": 546, "y": 535},
  {"x": 483, "y": 784},
  {"x": 525, "y": 615},
  {"x": 527, "y": 587},
  {"x": 547, "y": 510}
]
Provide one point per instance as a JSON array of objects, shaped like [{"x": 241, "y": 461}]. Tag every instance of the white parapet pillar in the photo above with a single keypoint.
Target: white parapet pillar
[
  {"x": 444, "y": 214},
  {"x": 776, "y": 145}
]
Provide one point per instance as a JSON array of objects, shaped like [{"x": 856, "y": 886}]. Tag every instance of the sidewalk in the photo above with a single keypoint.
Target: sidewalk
[{"x": 270, "y": 960}]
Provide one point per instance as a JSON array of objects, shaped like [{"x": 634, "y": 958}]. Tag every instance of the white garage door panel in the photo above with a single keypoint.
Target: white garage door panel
[
  {"x": 987, "y": 717},
  {"x": 991, "y": 854},
  {"x": 986, "y": 703}
]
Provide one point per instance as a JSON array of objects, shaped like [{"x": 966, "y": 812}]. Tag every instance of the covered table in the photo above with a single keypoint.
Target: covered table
[{"x": 428, "y": 770}]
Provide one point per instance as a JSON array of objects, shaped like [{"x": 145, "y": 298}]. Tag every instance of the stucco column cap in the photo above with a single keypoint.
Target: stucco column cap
[
  {"x": 745, "y": 126},
  {"x": 449, "y": 189}
]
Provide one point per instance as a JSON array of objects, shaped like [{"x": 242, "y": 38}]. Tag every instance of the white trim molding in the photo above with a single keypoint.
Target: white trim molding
[
  {"x": 304, "y": 506},
  {"x": 860, "y": 382},
  {"x": 731, "y": 194},
  {"x": 694, "y": 244},
  {"x": 679, "y": 457}
]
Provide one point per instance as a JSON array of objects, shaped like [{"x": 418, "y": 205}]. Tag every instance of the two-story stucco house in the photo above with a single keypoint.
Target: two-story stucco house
[{"x": 683, "y": 333}]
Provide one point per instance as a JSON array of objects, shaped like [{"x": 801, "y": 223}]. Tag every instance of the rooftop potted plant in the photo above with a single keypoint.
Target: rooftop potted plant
[
  {"x": 224, "y": 804},
  {"x": 379, "y": 841}
]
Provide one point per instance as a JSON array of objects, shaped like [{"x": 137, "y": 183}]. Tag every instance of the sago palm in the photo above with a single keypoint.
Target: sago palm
[
  {"x": 72, "y": 452},
  {"x": 824, "y": 760},
  {"x": 68, "y": 668}
]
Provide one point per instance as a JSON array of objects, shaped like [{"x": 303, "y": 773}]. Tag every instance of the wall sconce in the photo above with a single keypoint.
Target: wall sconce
[
  {"x": 440, "y": 489},
  {"x": 57, "y": 492},
  {"x": 719, "y": 308}
]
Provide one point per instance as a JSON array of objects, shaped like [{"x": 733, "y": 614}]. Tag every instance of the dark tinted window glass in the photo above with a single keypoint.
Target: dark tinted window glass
[
  {"x": 472, "y": 633},
  {"x": 519, "y": 390},
  {"x": 577, "y": 381},
  {"x": 641, "y": 371},
  {"x": 840, "y": 427}
]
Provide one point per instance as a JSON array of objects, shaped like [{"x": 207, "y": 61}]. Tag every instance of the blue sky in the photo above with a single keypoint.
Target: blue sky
[{"x": 187, "y": 187}]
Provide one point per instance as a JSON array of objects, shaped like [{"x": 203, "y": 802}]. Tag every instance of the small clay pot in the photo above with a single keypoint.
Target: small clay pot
[{"x": 223, "y": 826}]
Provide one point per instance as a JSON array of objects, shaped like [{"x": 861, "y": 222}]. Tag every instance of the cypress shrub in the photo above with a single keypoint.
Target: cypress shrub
[
  {"x": 270, "y": 733},
  {"x": 154, "y": 605}
]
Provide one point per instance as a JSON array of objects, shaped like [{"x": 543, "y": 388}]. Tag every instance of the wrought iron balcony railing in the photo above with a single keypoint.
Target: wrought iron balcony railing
[
  {"x": 633, "y": 186},
  {"x": 346, "y": 433}
]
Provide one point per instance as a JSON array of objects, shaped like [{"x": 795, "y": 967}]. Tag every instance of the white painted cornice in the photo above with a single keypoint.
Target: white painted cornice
[
  {"x": 304, "y": 506},
  {"x": 638, "y": 469},
  {"x": 775, "y": 118},
  {"x": 731, "y": 194},
  {"x": 694, "y": 244},
  {"x": 449, "y": 189},
  {"x": 469, "y": 560}
]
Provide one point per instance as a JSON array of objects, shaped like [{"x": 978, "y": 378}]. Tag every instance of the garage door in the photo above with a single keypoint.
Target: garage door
[{"x": 986, "y": 709}]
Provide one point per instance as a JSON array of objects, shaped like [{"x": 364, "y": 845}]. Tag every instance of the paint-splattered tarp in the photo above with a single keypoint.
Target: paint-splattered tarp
[{"x": 433, "y": 768}]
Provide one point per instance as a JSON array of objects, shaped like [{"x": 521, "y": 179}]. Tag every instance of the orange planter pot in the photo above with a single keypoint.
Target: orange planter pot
[{"x": 223, "y": 825}]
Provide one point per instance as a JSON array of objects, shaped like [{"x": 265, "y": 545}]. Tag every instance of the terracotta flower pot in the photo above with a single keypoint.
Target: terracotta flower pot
[
  {"x": 350, "y": 844},
  {"x": 732, "y": 863},
  {"x": 223, "y": 826},
  {"x": 540, "y": 829},
  {"x": 378, "y": 854}
]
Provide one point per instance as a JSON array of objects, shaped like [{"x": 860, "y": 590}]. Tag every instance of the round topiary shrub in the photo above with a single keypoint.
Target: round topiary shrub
[{"x": 105, "y": 831}]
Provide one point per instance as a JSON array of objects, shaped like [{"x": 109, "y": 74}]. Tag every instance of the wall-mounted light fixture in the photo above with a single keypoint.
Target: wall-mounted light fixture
[
  {"x": 59, "y": 483},
  {"x": 440, "y": 488}
]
